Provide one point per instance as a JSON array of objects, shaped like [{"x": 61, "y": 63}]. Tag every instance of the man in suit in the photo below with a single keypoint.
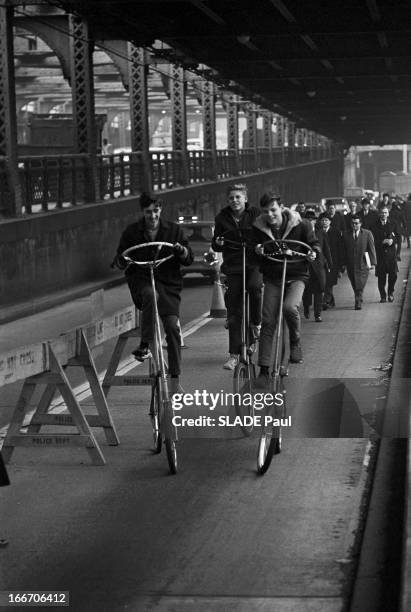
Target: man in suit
[
  {"x": 358, "y": 242},
  {"x": 385, "y": 246}
]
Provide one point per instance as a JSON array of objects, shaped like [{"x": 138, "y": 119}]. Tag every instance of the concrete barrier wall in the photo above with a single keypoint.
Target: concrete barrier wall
[{"x": 49, "y": 252}]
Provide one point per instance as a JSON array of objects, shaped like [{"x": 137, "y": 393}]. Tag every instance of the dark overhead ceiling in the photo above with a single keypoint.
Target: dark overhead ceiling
[{"x": 339, "y": 67}]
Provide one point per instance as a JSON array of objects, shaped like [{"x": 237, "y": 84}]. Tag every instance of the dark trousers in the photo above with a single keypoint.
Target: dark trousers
[
  {"x": 398, "y": 242},
  {"x": 382, "y": 280},
  {"x": 144, "y": 301},
  {"x": 318, "y": 300},
  {"x": 234, "y": 304}
]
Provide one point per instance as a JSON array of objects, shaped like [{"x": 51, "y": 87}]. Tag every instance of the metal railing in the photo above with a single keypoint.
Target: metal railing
[{"x": 55, "y": 182}]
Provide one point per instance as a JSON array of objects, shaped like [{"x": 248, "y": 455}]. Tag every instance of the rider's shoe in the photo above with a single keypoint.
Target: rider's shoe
[
  {"x": 231, "y": 362},
  {"x": 142, "y": 352},
  {"x": 255, "y": 331},
  {"x": 296, "y": 352}
]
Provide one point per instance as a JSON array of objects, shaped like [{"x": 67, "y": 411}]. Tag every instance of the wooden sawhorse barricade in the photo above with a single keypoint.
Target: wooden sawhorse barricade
[
  {"x": 112, "y": 379},
  {"x": 55, "y": 379}
]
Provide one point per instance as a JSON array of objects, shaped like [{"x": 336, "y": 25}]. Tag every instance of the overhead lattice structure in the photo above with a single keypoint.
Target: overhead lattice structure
[{"x": 341, "y": 69}]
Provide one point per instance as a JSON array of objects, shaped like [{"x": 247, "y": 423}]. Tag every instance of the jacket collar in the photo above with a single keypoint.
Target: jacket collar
[{"x": 293, "y": 219}]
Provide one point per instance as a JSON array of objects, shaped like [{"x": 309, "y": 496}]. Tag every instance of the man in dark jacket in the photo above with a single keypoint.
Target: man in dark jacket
[
  {"x": 358, "y": 242},
  {"x": 385, "y": 247},
  {"x": 274, "y": 223},
  {"x": 334, "y": 240},
  {"x": 336, "y": 218},
  {"x": 397, "y": 219},
  {"x": 232, "y": 223},
  {"x": 368, "y": 217},
  {"x": 151, "y": 228},
  {"x": 318, "y": 272},
  {"x": 407, "y": 217}
]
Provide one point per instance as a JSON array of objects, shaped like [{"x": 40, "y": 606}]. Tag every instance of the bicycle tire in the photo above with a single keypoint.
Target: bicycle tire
[
  {"x": 171, "y": 450},
  {"x": 243, "y": 374},
  {"x": 270, "y": 442},
  {"x": 155, "y": 418}
]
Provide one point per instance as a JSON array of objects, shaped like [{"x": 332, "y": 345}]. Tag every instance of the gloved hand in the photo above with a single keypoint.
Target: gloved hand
[{"x": 178, "y": 249}]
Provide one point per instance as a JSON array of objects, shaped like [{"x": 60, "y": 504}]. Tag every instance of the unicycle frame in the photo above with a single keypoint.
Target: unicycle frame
[
  {"x": 167, "y": 429},
  {"x": 270, "y": 442}
]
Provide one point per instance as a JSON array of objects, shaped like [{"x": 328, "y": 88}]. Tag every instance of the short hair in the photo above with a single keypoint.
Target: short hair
[
  {"x": 356, "y": 218},
  {"x": 237, "y": 187},
  {"x": 365, "y": 201},
  {"x": 310, "y": 214},
  {"x": 146, "y": 200},
  {"x": 268, "y": 197},
  {"x": 329, "y": 203}
]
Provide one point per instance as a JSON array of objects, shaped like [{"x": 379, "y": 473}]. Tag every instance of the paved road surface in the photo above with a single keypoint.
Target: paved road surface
[{"x": 127, "y": 536}]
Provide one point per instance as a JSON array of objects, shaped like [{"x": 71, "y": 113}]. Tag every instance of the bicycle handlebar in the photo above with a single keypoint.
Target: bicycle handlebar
[
  {"x": 147, "y": 263},
  {"x": 284, "y": 251}
]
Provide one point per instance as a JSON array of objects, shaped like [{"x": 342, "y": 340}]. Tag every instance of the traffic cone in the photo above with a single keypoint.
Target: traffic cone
[{"x": 218, "y": 309}]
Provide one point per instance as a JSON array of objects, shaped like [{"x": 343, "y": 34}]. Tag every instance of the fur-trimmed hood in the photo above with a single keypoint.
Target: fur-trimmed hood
[{"x": 293, "y": 219}]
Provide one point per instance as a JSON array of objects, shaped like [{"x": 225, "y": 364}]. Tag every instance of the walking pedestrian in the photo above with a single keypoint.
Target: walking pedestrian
[
  {"x": 359, "y": 258},
  {"x": 385, "y": 247}
]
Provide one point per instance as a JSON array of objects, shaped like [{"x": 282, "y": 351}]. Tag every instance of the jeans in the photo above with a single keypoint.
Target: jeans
[
  {"x": 293, "y": 293},
  {"x": 144, "y": 301},
  {"x": 233, "y": 302}
]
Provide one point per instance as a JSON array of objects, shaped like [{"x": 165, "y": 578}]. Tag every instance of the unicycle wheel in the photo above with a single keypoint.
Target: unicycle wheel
[
  {"x": 171, "y": 455},
  {"x": 155, "y": 419},
  {"x": 242, "y": 383}
]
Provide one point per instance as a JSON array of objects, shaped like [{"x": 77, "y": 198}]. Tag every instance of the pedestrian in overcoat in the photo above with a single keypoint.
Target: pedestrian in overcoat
[
  {"x": 385, "y": 247},
  {"x": 357, "y": 243}
]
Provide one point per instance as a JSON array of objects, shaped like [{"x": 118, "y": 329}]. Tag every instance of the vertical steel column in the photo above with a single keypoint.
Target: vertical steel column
[
  {"x": 179, "y": 124},
  {"x": 251, "y": 117},
  {"x": 11, "y": 198},
  {"x": 82, "y": 87},
  {"x": 209, "y": 126},
  {"x": 232, "y": 132},
  {"x": 139, "y": 113},
  {"x": 268, "y": 135}
]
